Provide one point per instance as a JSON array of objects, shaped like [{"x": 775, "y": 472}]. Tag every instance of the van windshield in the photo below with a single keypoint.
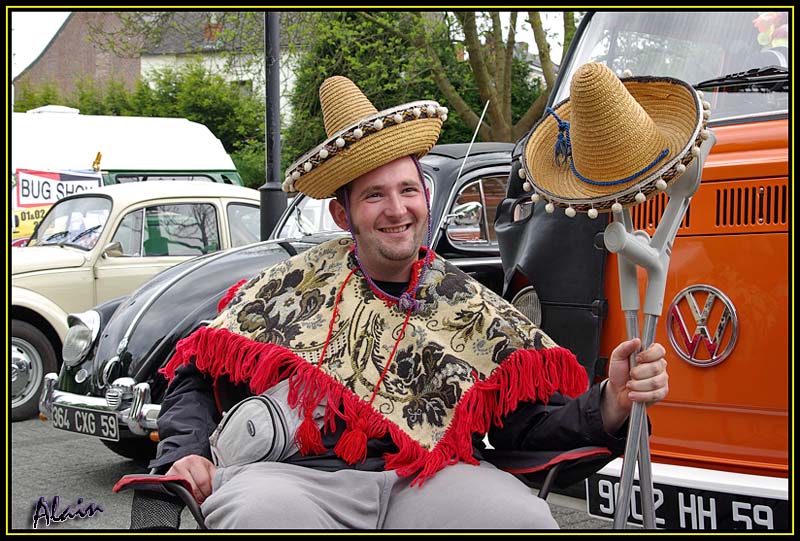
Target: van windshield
[
  {"x": 695, "y": 46},
  {"x": 76, "y": 222}
]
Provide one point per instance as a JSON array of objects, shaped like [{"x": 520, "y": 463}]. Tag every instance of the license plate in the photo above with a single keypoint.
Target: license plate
[
  {"x": 102, "y": 424},
  {"x": 682, "y": 508}
]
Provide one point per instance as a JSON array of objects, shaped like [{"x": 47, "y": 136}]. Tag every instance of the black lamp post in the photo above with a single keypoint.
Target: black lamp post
[{"x": 273, "y": 199}]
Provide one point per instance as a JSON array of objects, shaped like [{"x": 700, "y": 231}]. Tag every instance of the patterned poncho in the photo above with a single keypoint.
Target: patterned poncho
[{"x": 430, "y": 378}]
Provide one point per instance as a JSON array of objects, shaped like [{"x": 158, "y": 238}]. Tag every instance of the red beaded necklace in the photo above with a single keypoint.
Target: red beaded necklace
[
  {"x": 352, "y": 445},
  {"x": 412, "y": 290}
]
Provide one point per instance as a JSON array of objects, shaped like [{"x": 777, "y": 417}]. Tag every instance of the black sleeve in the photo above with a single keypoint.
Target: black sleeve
[
  {"x": 561, "y": 424},
  {"x": 187, "y": 418}
]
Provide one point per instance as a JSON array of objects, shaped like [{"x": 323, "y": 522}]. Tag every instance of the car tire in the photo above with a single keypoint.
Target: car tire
[
  {"x": 138, "y": 449},
  {"x": 32, "y": 356}
]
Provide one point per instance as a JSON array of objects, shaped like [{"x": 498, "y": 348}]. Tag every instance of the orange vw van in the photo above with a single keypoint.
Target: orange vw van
[{"x": 720, "y": 441}]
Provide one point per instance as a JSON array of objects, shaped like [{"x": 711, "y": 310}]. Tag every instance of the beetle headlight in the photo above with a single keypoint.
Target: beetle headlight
[
  {"x": 527, "y": 302},
  {"x": 83, "y": 330}
]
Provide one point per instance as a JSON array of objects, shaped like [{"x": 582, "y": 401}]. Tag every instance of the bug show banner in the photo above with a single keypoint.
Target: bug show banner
[{"x": 36, "y": 191}]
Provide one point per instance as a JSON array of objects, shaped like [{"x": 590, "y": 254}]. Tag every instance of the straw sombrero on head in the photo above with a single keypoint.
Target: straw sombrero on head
[
  {"x": 613, "y": 141},
  {"x": 361, "y": 138}
]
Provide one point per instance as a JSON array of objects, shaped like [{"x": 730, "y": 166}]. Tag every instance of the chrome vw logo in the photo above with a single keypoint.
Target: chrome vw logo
[{"x": 701, "y": 348}]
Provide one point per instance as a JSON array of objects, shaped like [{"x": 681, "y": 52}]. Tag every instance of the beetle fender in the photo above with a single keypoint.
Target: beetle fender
[{"x": 43, "y": 306}]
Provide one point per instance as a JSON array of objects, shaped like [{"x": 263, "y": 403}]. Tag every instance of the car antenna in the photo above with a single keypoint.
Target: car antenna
[
  {"x": 446, "y": 217},
  {"x": 474, "y": 135}
]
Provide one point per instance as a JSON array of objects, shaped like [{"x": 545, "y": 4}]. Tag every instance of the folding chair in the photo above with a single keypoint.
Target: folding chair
[{"x": 158, "y": 500}]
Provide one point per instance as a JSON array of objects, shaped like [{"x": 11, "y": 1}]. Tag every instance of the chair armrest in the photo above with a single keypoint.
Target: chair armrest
[
  {"x": 533, "y": 467},
  {"x": 161, "y": 484},
  {"x": 159, "y": 500}
]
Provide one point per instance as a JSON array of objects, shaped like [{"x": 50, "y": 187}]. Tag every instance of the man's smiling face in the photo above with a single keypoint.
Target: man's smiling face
[{"x": 389, "y": 213}]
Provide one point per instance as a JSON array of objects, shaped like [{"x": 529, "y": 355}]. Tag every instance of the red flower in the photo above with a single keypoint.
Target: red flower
[{"x": 767, "y": 20}]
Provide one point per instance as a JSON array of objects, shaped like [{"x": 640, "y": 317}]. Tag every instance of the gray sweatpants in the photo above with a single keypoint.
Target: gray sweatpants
[{"x": 275, "y": 495}]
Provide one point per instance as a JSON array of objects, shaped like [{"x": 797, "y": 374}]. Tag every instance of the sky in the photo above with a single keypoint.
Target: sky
[{"x": 31, "y": 31}]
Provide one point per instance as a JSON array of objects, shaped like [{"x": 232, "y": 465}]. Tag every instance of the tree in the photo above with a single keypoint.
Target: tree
[
  {"x": 29, "y": 97},
  {"x": 237, "y": 37},
  {"x": 235, "y": 117},
  {"x": 343, "y": 43},
  {"x": 429, "y": 38},
  {"x": 193, "y": 92},
  {"x": 390, "y": 72},
  {"x": 491, "y": 58}
]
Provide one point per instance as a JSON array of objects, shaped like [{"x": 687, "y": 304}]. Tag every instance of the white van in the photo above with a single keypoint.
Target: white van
[{"x": 56, "y": 151}]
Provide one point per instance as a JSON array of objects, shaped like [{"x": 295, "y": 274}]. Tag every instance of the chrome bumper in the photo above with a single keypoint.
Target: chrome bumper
[{"x": 139, "y": 416}]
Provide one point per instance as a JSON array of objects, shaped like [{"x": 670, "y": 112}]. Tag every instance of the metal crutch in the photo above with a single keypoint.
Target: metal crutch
[{"x": 637, "y": 248}]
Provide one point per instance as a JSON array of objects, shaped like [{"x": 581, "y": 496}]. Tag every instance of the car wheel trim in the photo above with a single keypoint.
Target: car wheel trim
[{"x": 26, "y": 371}]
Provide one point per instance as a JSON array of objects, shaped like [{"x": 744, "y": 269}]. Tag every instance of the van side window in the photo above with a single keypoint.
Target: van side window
[{"x": 181, "y": 230}]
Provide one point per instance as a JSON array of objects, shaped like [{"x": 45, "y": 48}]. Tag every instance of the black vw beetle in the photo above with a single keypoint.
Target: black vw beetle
[{"x": 109, "y": 387}]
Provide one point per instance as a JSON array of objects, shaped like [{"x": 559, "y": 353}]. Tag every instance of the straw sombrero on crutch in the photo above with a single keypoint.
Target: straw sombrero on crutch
[
  {"x": 361, "y": 138},
  {"x": 616, "y": 142},
  {"x": 613, "y": 141}
]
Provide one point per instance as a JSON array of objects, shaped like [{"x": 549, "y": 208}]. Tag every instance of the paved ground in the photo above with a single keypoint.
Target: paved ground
[{"x": 46, "y": 462}]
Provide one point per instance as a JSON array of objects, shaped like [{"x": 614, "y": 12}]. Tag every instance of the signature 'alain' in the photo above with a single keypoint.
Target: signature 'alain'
[{"x": 52, "y": 513}]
